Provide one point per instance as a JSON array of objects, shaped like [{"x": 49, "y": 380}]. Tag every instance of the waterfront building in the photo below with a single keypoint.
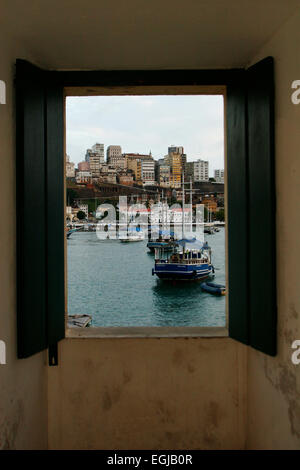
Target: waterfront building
[
  {"x": 219, "y": 176},
  {"x": 197, "y": 170}
]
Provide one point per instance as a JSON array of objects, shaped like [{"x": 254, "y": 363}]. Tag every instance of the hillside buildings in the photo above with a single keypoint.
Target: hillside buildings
[{"x": 139, "y": 169}]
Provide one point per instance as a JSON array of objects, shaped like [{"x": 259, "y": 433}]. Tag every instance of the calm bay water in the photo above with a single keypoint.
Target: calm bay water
[{"x": 113, "y": 282}]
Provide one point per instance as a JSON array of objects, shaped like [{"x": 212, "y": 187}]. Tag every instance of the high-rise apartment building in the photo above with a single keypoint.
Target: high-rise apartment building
[
  {"x": 131, "y": 163},
  {"x": 114, "y": 156},
  {"x": 174, "y": 149},
  {"x": 162, "y": 173},
  {"x": 98, "y": 149},
  {"x": 175, "y": 162},
  {"x": 94, "y": 160},
  {"x": 219, "y": 176},
  {"x": 147, "y": 171},
  {"x": 198, "y": 170}
]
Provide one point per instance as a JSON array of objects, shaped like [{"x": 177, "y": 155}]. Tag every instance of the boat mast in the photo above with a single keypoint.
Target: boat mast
[
  {"x": 191, "y": 204},
  {"x": 183, "y": 204}
]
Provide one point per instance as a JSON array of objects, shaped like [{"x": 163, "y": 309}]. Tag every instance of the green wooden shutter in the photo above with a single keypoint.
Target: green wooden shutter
[
  {"x": 262, "y": 248},
  {"x": 251, "y": 208},
  {"x": 237, "y": 175},
  {"x": 40, "y": 219},
  {"x": 55, "y": 213}
]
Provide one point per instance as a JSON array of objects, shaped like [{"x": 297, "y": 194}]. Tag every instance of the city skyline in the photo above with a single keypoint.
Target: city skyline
[{"x": 137, "y": 122}]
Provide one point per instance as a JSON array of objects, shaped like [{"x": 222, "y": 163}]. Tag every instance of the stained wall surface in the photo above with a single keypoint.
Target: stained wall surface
[
  {"x": 148, "y": 394},
  {"x": 274, "y": 383},
  {"x": 142, "y": 393},
  {"x": 23, "y": 383}
]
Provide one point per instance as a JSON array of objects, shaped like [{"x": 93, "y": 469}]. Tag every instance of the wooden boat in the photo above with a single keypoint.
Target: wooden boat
[{"x": 80, "y": 321}]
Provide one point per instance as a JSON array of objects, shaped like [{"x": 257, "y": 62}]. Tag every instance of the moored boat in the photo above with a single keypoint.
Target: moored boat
[
  {"x": 190, "y": 259},
  {"x": 70, "y": 231},
  {"x": 186, "y": 264},
  {"x": 213, "y": 288}
]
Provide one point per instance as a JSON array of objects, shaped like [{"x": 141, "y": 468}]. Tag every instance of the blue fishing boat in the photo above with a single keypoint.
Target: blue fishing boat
[
  {"x": 190, "y": 259},
  {"x": 188, "y": 262},
  {"x": 213, "y": 288}
]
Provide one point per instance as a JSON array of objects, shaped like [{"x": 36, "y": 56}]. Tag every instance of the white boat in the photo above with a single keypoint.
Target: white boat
[{"x": 133, "y": 235}]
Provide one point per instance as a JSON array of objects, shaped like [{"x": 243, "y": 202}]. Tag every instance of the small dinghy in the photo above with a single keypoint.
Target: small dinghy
[
  {"x": 81, "y": 321},
  {"x": 213, "y": 288}
]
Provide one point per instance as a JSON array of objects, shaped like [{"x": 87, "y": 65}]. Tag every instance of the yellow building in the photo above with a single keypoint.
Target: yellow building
[
  {"x": 174, "y": 160},
  {"x": 133, "y": 162}
]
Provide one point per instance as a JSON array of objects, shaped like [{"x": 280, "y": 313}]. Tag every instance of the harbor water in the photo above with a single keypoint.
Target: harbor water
[{"x": 113, "y": 282}]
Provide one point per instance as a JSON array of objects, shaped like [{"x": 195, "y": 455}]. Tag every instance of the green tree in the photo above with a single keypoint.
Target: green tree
[
  {"x": 220, "y": 215},
  {"x": 81, "y": 215}
]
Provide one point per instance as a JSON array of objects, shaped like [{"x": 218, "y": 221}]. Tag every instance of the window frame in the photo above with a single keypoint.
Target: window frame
[
  {"x": 250, "y": 139},
  {"x": 148, "y": 331}
]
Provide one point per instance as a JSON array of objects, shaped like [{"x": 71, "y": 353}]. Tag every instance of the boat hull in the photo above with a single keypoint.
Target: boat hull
[{"x": 177, "y": 272}]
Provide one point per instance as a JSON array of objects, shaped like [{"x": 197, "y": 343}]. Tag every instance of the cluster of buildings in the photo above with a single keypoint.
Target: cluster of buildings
[{"x": 141, "y": 169}]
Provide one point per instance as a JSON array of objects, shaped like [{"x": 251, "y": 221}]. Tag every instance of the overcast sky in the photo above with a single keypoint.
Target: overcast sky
[{"x": 143, "y": 123}]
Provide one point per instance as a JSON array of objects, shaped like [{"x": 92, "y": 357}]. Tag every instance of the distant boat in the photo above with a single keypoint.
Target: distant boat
[
  {"x": 70, "y": 231},
  {"x": 133, "y": 235}
]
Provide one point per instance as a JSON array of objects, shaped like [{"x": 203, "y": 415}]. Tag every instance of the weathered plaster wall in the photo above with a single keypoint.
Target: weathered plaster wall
[
  {"x": 148, "y": 394},
  {"x": 168, "y": 393},
  {"x": 274, "y": 383},
  {"x": 23, "y": 390}
]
